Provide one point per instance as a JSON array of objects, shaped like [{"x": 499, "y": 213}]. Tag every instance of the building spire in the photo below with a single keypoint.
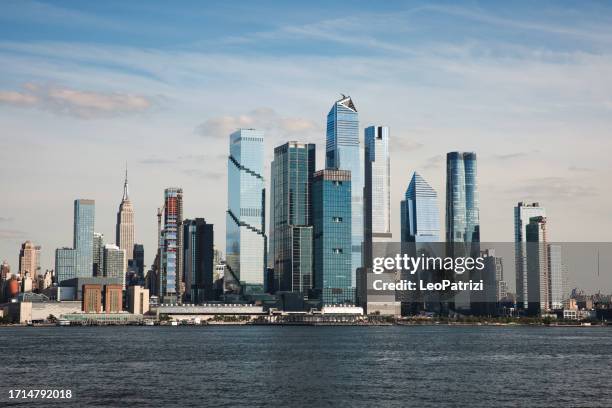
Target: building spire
[{"x": 125, "y": 185}]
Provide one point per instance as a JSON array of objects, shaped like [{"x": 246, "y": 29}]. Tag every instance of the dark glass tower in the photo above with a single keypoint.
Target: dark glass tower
[
  {"x": 290, "y": 219},
  {"x": 198, "y": 240}
]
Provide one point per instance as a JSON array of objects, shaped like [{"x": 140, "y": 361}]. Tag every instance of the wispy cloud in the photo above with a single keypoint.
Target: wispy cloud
[
  {"x": 433, "y": 162},
  {"x": 552, "y": 188},
  {"x": 508, "y": 156},
  {"x": 9, "y": 234},
  {"x": 263, "y": 118},
  {"x": 74, "y": 102},
  {"x": 580, "y": 169}
]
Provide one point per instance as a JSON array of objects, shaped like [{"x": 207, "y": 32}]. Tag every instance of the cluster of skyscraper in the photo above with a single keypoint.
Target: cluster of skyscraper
[
  {"x": 324, "y": 223},
  {"x": 540, "y": 275},
  {"x": 90, "y": 256},
  {"x": 322, "y": 229}
]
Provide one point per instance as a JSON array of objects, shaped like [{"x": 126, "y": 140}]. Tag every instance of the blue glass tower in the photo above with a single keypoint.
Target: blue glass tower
[
  {"x": 245, "y": 231},
  {"x": 332, "y": 223},
  {"x": 343, "y": 153},
  {"x": 64, "y": 264},
  {"x": 462, "y": 214},
  {"x": 420, "y": 216},
  {"x": 84, "y": 214},
  {"x": 291, "y": 216}
]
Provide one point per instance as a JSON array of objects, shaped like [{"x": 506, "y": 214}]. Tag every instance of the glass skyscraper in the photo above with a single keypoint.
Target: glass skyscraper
[
  {"x": 170, "y": 278},
  {"x": 538, "y": 276},
  {"x": 462, "y": 213},
  {"x": 523, "y": 212},
  {"x": 245, "y": 230},
  {"x": 342, "y": 152},
  {"x": 198, "y": 260},
  {"x": 64, "y": 264},
  {"x": 556, "y": 272},
  {"x": 332, "y": 223},
  {"x": 420, "y": 216},
  {"x": 84, "y": 214},
  {"x": 377, "y": 189},
  {"x": 290, "y": 244}
]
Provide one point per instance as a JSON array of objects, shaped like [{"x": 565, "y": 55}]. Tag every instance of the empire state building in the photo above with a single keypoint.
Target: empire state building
[{"x": 125, "y": 223}]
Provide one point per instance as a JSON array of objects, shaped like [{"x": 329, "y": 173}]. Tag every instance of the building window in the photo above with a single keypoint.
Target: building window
[
  {"x": 337, "y": 250},
  {"x": 337, "y": 219}
]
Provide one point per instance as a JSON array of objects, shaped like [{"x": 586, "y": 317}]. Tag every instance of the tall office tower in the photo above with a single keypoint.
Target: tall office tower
[
  {"x": 462, "y": 214},
  {"x": 139, "y": 260},
  {"x": 114, "y": 262},
  {"x": 290, "y": 243},
  {"x": 343, "y": 153},
  {"x": 199, "y": 255},
  {"x": 538, "y": 277},
  {"x": 84, "y": 214},
  {"x": 523, "y": 212},
  {"x": 332, "y": 223},
  {"x": 171, "y": 260},
  {"x": 125, "y": 223},
  {"x": 65, "y": 265},
  {"x": 29, "y": 260},
  {"x": 377, "y": 189},
  {"x": 245, "y": 231},
  {"x": 98, "y": 254},
  {"x": 420, "y": 216},
  {"x": 556, "y": 270}
]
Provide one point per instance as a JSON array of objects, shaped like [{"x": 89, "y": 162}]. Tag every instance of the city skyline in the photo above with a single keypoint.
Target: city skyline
[{"x": 100, "y": 92}]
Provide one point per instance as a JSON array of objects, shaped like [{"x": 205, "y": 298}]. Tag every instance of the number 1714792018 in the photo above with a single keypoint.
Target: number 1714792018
[{"x": 40, "y": 394}]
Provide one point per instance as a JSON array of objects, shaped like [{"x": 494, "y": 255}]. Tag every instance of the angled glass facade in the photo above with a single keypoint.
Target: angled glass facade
[
  {"x": 420, "y": 216},
  {"x": 332, "y": 223},
  {"x": 84, "y": 214},
  {"x": 290, "y": 246},
  {"x": 462, "y": 211},
  {"x": 245, "y": 231},
  {"x": 343, "y": 153}
]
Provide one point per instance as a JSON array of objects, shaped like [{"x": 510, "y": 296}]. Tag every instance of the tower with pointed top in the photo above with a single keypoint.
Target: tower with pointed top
[
  {"x": 125, "y": 223},
  {"x": 343, "y": 152},
  {"x": 420, "y": 216}
]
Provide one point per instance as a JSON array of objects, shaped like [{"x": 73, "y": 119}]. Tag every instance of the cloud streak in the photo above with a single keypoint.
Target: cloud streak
[
  {"x": 263, "y": 118},
  {"x": 74, "y": 102}
]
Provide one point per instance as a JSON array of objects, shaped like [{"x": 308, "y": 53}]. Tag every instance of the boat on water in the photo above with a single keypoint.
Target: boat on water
[{"x": 63, "y": 322}]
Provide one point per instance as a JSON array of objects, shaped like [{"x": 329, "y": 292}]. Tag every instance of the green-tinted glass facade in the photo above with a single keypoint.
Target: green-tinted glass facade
[
  {"x": 331, "y": 218},
  {"x": 290, "y": 219}
]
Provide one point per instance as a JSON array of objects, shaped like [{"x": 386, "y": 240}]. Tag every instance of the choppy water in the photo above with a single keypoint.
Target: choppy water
[{"x": 310, "y": 366}]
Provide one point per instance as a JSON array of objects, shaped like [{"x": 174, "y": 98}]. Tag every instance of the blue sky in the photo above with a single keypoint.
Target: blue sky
[{"x": 87, "y": 86}]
